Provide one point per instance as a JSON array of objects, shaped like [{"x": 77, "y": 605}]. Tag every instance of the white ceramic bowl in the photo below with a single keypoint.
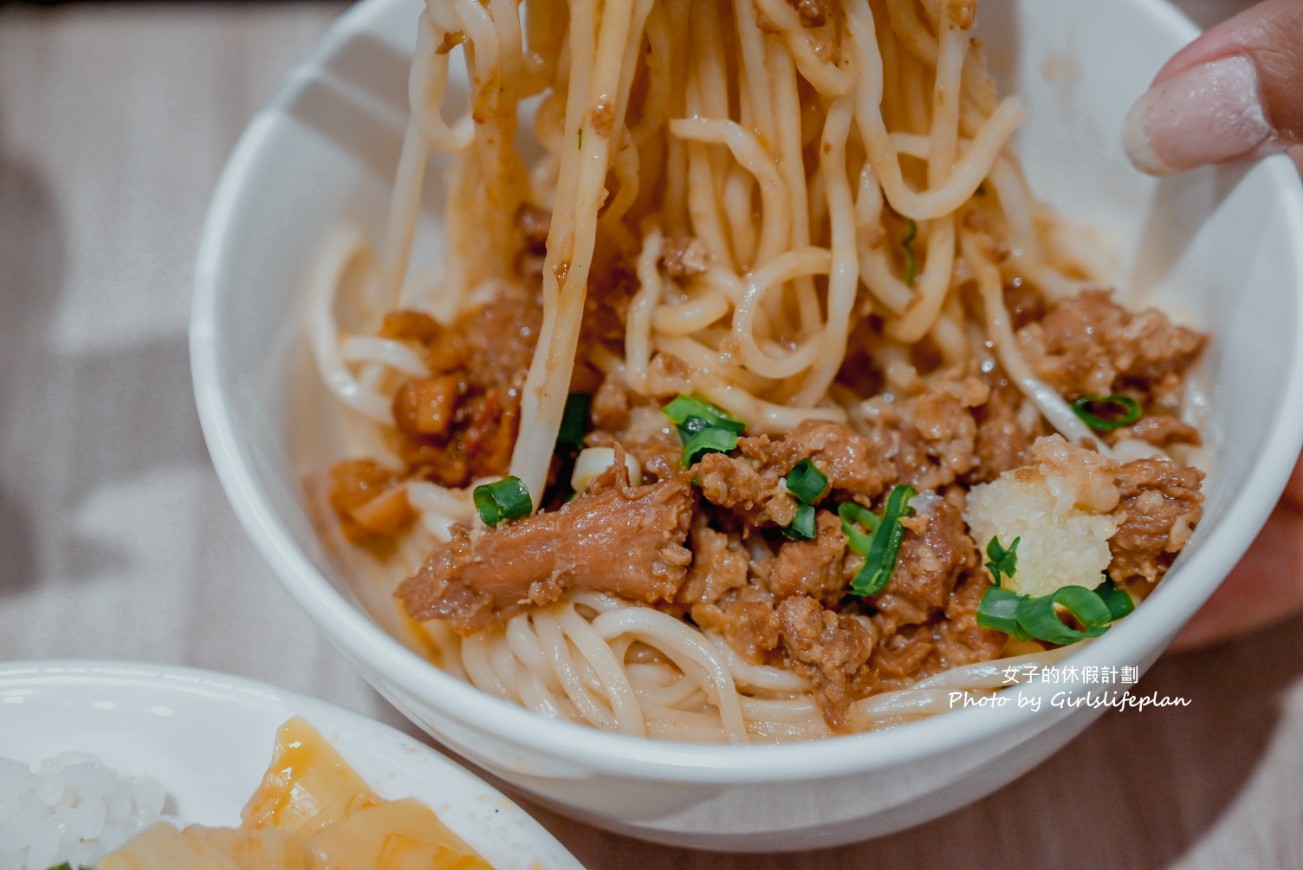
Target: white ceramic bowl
[
  {"x": 1221, "y": 247},
  {"x": 208, "y": 738}
]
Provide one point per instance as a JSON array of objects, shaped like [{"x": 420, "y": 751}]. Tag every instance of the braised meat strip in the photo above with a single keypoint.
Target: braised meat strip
[{"x": 625, "y": 540}]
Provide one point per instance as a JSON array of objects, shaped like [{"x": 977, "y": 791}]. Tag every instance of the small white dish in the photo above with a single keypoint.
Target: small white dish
[{"x": 208, "y": 737}]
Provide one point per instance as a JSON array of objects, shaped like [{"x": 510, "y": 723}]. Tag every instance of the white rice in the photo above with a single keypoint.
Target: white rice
[{"x": 70, "y": 808}]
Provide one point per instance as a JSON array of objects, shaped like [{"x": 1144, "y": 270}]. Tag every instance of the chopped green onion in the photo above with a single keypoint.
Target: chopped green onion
[
  {"x": 1002, "y": 561},
  {"x": 883, "y": 546},
  {"x": 1039, "y": 616},
  {"x": 806, "y": 482},
  {"x": 854, "y": 515},
  {"x": 911, "y": 262},
  {"x": 802, "y": 527},
  {"x": 998, "y": 610},
  {"x": 581, "y": 138},
  {"x": 708, "y": 441},
  {"x": 506, "y": 499},
  {"x": 703, "y": 427},
  {"x": 1117, "y": 600},
  {"x": 693, "y": 414},
  {"x": 1117, "y": 411},
  {"x": 574, "y": 420},
  {"x": 1023, "y": 617},
  {"x": 692, "y": 425}
]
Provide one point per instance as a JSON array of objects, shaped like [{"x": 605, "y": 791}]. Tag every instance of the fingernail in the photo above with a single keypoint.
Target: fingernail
[{"x": 1207, "y": 114}]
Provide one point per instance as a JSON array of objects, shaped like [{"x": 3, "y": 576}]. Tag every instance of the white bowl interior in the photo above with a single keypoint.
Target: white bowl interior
[{"x": 1218, "y": 248}]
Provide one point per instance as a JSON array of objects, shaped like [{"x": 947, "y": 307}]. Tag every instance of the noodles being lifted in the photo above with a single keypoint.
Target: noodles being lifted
[{"x": 800, "y": 218}]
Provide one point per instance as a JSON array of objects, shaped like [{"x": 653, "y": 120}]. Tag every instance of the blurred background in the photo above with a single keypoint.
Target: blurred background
[{"x": 117, "y": 542}]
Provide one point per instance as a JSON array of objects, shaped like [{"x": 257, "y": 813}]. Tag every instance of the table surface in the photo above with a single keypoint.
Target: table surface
[{"x": 116, "y": 541}]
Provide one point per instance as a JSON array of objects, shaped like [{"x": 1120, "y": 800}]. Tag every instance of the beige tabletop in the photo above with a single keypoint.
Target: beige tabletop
[{"x": 117, "y": 542}]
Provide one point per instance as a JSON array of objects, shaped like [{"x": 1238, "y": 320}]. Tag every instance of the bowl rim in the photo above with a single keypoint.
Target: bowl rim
[{"x": 383, "y": 657}]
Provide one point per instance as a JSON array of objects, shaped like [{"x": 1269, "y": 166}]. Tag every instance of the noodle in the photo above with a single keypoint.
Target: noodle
[{"x": 844, "y": 167}]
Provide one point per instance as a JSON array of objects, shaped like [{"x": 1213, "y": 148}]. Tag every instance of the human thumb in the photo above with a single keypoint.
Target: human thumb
[{"x": 1235, "y": 92}]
